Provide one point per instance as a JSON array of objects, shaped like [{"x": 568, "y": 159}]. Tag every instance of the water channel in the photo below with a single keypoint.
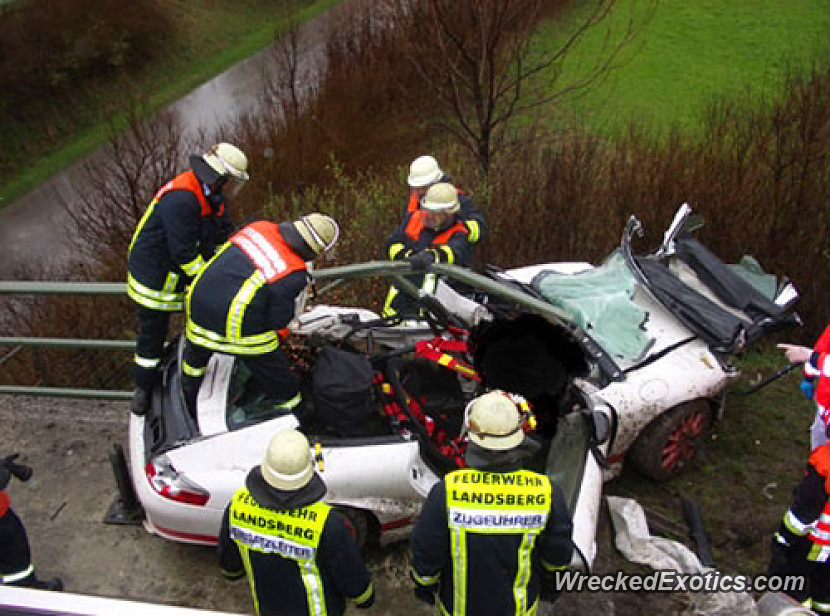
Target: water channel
[{"x": 33, "y": 229}]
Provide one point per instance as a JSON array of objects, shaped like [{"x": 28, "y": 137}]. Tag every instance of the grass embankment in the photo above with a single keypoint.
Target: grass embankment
[
  {"x": 210, "y": 38},
  {"x": 689, "y": 54}
]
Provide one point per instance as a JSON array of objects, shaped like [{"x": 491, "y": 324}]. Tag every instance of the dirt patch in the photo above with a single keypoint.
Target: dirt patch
[{"x": 742, "y": 489}]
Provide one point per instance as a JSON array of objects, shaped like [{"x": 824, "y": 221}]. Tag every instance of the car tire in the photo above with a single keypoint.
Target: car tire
[
  {"x": 358, "y": 524},
  {"x": 667, "y": 445}
]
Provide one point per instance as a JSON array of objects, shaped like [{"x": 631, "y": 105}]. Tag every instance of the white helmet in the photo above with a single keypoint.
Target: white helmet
[
  {"x": 227, "y": 159},
  {"x": 494, "y": 423},
  {"x": 319, "y": 231},
  {"x": 424, "y": 171},
  {"x": 287, "y": 463},
  {"x": 441, "y": 198}
]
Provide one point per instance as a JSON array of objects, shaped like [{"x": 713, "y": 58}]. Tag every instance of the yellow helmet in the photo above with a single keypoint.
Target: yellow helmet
[
  {"x": 287, "y": 464},
  {"x": 227, "y": 159},
  {"x": 319, "y": 231},
  {"x": 441, "y": 198},
  {"x": 493, "y": 422},
  {"x": 424, "y": 171}
]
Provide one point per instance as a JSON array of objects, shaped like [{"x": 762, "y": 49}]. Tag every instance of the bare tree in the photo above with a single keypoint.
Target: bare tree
[
  {"x": 119, "y": 182},
  {"x": 477, "y": 61}
]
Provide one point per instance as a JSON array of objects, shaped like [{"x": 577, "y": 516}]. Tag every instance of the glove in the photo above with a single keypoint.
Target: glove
[
  {"x": 422, "y": 259},
  {"x": 426, "y": 594},
  {"x": 808, "y": 388}
]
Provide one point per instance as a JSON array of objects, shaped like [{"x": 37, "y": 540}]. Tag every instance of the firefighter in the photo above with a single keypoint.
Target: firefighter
[
  {"x": 802, "y": 544},
  {"x": 179, "y": 231},
  {"x": 424, "y": 173},
  {"x": 491, "y": 537},
  {"x": 296, "y": 550},
  {"x": 433, "y": 233},
  {"x": 16, "y": 568},
  {"x": 816, "y": 382},
  {"x": 245, "y": 295}
]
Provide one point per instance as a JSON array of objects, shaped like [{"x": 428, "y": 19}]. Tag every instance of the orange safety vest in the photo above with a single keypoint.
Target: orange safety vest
[
  {"x": 416, "y": 225},
  {"x": 268, "y": 250},
  {"x": 820, "y": 460},
  {"x": 188, "y": 181}
]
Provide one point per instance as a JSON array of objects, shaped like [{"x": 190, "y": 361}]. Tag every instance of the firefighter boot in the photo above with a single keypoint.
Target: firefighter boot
[{"x": 141, "y": 401}]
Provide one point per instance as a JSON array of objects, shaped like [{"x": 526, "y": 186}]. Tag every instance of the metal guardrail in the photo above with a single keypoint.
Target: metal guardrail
[{"x": 33, "y": 287}]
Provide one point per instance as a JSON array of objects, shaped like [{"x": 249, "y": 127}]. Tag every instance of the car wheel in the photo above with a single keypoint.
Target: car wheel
[
  {"x": 670, "y": 442},
  {"x": 357, "y": 523}
]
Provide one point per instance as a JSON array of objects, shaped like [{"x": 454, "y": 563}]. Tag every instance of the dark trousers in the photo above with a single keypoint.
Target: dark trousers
[
  {"x": 152, "y": 334},
  {"x": 14, "y": 548},
  {"x": 271, "y": 371}
]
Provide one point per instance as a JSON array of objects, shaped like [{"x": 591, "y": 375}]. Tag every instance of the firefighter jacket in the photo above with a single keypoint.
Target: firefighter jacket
[
  {"x": 470, "y": 215},
  {"x": 808, "y": 518},
  {"x": 296, "y": 551},
  {"x": 485, "y": 539},
  {"x": 15, "y": 559},
  {"x": 449, "y": 245},
  {"x": 179, "y": 230},
  {"x": 246, "y": 292},
  {"x": 819, "y": 368}
]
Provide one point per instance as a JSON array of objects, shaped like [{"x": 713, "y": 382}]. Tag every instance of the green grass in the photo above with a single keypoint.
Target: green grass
[
  {"x": 219, "y": 36},
  {"x": 689, "y": 54}
]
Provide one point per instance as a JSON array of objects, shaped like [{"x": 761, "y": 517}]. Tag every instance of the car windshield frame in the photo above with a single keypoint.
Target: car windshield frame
[{"x": 494, "y": 284}]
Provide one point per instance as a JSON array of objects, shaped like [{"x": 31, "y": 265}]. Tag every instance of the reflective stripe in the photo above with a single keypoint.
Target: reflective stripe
[
  {"x": 295, "y": 536},
  {"x": 146, "y": 362},
  {"x": 258, "y": 344},
  {"x": 794, "y": 525},
  {"x": 191, "y": 371},
  {"x": 395, "y": 249},
  {"x": 240, "y": 302},
  {"x": 475, "y": 231},
  {"x": 364, "y": 595},
  {"x": 820, "y": 532},
  {"x": 819, "y": 553},
  {"x": 167, "y": 299},
  {"x": 11, "y": 578},
  {"x": 388, "y": 311},
  {"x": 147, "y": 213},
  {"x": 479, "y": 502},
  {"x": 447, "y": 251},
  {"x": 458, "y": 551},
  {"x": 289, "y": 405},
  {"x": 425, "y": 580},
  {"x": 193, "y": 267},
  {"x": 261, "y": 252},
  {"x": 820, "y": 606}
]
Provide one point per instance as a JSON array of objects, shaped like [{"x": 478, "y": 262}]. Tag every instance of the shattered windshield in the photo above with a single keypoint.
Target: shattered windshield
[{"x": 599, "y": 300}]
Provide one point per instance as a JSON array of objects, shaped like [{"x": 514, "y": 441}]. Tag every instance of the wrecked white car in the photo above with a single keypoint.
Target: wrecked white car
[{"x": 624, "y": 361}]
